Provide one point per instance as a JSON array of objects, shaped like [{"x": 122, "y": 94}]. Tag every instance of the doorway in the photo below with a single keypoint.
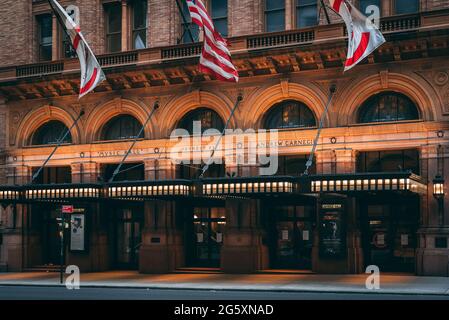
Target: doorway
[
  {"x": 51, "y": 240},
  {"x": 291, "y": 236},
  {"x": 128, "y": 237},
  {"x": 207, "y": 236},
  {"x": 389, "y": 232}
]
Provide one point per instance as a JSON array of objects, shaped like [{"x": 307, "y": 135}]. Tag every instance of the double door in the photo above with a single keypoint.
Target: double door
[
  {"x": 292, "y": 237},
  {"x": 50, "y": 233},
  {"x": 208, "y": 236},
  {"x": 389, "y": 234},
  {"x": 128, "y": 237}
]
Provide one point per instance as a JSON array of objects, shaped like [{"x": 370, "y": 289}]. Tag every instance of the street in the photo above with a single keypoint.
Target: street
[{"x": 61, "y": 293}]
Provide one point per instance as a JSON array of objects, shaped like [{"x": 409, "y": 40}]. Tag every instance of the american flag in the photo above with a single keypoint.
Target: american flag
[{"x": 215, "y": 56}]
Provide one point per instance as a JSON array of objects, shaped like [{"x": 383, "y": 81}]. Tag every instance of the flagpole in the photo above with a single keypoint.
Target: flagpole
[
  {"x": 117, "y": 170},
  {"x": 59, "y": 142},
  {"x": 208, "y": 163},
  {"x": 185, "y": 22},
  {"x": 309, "y": 163},
  {"x": 325, "y": 12}
]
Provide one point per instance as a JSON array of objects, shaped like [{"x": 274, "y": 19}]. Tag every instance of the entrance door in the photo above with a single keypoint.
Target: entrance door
[
  {"x": 208, "y": 229},
  {"x": 128, "y": 238},
  {"x": 293, "y": 237},
  {"x": 390, "y": 235},
  {"x": 51, "y": 241}
]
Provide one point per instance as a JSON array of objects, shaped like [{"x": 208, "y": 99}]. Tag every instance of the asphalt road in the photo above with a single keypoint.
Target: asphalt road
[{"x": 58, "y": 293}]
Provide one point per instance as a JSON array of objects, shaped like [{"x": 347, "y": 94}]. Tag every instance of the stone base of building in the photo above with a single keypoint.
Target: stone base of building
[
  {"x": 244, "y": 259},
  {"x": 432, "y": 259},
  {"x": 160, "y": 258}
]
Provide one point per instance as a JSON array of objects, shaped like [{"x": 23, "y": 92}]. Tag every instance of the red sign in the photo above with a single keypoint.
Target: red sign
[{"x": 67, "y": 209}]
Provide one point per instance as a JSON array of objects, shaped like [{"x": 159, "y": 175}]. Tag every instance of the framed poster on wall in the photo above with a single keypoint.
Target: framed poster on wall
[
  {"x": 77, "y": 232},
  {"x": 332, "y": 231}
]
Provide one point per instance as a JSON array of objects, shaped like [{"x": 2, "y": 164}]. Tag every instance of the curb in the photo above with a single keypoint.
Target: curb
[{"x": 152, "y": 287}]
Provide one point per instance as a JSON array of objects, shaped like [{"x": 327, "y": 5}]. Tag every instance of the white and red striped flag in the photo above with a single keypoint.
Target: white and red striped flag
[
  {"x": 215, "y": 56},
  {"x": 364, "y": 36},
  {"x": 91, "y": 72}
]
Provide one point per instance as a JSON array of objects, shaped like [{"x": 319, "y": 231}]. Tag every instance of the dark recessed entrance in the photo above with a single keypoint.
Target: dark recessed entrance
[
  {"x": 205, "y": 237},
  {"x": 290, "y": 234},
  {"x": 50, "y": 233},
  {"x": 389, "y": 226},
  {"x": 127, "y": 226}
]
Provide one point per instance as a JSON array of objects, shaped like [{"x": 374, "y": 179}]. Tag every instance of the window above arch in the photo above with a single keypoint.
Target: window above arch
[
  {"x": 389, "y": 161},
  {"x": 289, "y": 114},
  {"x": 121, "y": 127},
  {"x": 207, "y": 118},
  {"x": 50, "y": 133},
  {"x": 386, "y": 107}
]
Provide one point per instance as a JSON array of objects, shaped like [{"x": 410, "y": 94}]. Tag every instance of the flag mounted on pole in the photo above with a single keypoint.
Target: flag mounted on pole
[
  {"x": 215, "y": 57},
  {"x": 91, "y": 72},
  {"x": 364, "y": 36}
]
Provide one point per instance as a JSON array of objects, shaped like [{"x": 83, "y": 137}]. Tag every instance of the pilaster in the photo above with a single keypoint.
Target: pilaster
[
  {"x": 162, "y": 247},
  {"x": 159, "y": 169},
  {"x": 243, "y": 250}
]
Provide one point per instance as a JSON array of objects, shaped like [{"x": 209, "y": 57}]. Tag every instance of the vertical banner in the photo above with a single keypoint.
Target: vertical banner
[{"x": 77, "y": 232}]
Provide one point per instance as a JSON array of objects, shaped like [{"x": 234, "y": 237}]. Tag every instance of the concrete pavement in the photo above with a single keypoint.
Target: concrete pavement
[{"x": 389, "y": 283}]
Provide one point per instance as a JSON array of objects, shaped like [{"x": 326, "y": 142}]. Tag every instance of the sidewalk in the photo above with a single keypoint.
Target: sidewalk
[{"x": 389, "y": 283}]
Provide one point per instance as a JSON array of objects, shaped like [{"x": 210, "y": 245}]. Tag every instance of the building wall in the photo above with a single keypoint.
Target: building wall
[{"x": 245, "y": 17}]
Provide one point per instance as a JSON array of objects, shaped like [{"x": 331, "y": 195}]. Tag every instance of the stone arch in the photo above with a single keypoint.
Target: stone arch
[
  {"x": 264, "y": 99},
  {"x": 38, "y": 117},
  {"x": 102, "y": 114},
  {"x": 180, "y": 106},
  {"x": 350, "y": 100}
]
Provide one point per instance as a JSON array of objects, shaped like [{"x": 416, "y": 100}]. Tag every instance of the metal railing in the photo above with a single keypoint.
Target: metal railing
[
  {"x": 39, "y": 69},
  {"x": 280, "y": 39},
  {"x": 118, "y": 59},
  {"x": 182, "y": 51},
  {"x": 400, "y": 23}
]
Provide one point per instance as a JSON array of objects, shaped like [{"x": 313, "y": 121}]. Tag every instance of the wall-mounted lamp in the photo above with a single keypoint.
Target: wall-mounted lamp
[{"x": 438, "y": 193}]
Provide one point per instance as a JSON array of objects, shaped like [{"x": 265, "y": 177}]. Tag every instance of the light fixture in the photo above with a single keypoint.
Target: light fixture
[
  {"x": 438, "y": 193},
  {"x": 438, "y": 187}
]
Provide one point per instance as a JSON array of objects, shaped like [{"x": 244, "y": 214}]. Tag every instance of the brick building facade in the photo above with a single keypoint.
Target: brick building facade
[{"x": 369, "y": 198}]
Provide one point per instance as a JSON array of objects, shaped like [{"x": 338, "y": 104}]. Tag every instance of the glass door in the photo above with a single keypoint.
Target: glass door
[
  {"x": 379, "y": 236},
  {"x": 390, "y": 237},
  {"x": 128, "y": 238},
  {"x": 293, "y": 237},
  {"x": 208, "y": 229}
]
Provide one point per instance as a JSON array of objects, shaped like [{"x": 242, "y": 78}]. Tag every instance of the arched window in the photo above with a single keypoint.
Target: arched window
[
  {"x": 121, "y": 127},
  {"x": 207, "y": 118},
  {"x": 289, "y": 114},
  {"x": 50, "y": 132},
  {"x": 388, "y": 106}
]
